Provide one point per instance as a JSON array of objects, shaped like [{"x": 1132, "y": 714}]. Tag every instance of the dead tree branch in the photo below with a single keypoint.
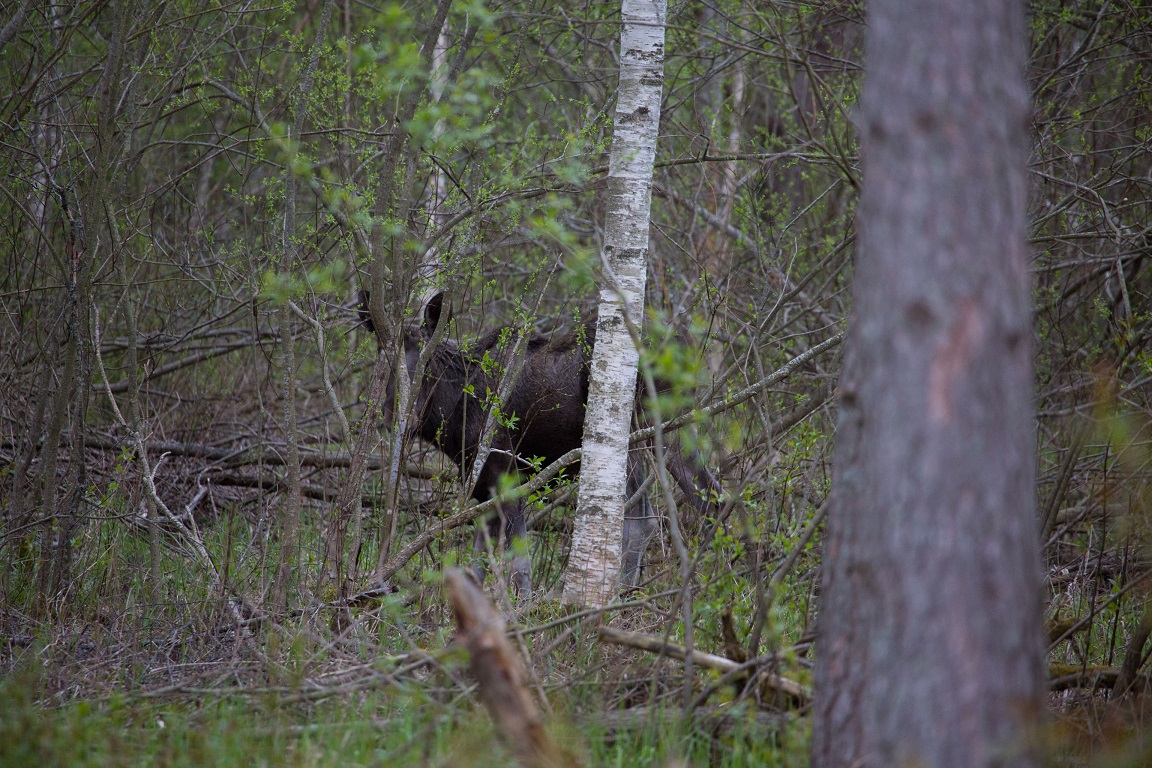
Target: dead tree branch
[{"x": 502, "y": 677}]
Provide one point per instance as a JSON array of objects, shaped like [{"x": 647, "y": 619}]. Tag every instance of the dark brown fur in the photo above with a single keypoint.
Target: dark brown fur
[{"x": 547, "y": 401}]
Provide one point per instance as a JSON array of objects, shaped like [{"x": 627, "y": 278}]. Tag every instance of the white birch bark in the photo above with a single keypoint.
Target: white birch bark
[{"x": 594, "y": 564}]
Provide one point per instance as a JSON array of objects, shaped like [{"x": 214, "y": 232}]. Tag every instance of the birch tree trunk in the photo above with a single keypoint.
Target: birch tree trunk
[
  {"x": 594, "y": 564},
  {"x": 930, "y": 650}
]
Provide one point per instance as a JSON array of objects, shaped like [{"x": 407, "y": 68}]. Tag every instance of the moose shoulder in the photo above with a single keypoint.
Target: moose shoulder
[{"x": 542, "y": 418}]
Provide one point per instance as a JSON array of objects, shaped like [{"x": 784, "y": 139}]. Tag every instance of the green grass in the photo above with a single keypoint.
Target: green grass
[
  {"x": 377, "y": 728},
  {"x": 220, "y": 732}
]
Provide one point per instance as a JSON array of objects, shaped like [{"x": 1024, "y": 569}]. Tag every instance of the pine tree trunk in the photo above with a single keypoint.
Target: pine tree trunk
[
  {"x": 594, "y": 564},
  {"x": 930, "y": 649}
]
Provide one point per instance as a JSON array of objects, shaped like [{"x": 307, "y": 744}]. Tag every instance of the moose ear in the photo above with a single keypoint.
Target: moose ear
[{"x": 432, "y": 312}]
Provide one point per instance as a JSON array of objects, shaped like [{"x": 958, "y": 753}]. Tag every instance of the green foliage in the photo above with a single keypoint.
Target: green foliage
[{"x": 277, "y": 287}]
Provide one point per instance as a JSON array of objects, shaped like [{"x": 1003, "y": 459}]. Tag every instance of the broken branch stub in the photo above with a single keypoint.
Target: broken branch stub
[{"x": 501, "y": 676}]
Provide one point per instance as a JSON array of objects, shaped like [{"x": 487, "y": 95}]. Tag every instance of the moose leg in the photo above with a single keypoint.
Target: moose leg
[
  {"x": 512, "y": 519},
  {"x": 514, "y": 523},
  {"x": 694, "y": 478},
  {"x": 487, "y": 530},
  {"x": 639, "y": 525},
  {"x": 516, "y": 532}
]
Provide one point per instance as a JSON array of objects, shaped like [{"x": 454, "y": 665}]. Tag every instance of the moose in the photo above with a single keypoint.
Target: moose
[{"x": 544, "y": 419}]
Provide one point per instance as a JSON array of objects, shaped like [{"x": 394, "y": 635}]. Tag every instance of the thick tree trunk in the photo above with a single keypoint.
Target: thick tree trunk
[
  {"x": 930, "y": 648},
  {"x": 594, "y": 564}
]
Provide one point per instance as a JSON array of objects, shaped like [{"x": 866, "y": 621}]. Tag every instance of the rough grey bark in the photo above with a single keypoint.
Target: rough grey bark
[
  {"x": 594, "y": 563},
  {"x": 930, "y": 645}
]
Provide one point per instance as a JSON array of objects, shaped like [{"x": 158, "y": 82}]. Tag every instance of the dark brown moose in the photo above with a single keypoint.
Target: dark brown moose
[{"x": 546, "y": 406}]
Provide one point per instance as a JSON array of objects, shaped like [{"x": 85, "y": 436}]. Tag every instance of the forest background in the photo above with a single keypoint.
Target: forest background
[{"x": 193, "y": 195}]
